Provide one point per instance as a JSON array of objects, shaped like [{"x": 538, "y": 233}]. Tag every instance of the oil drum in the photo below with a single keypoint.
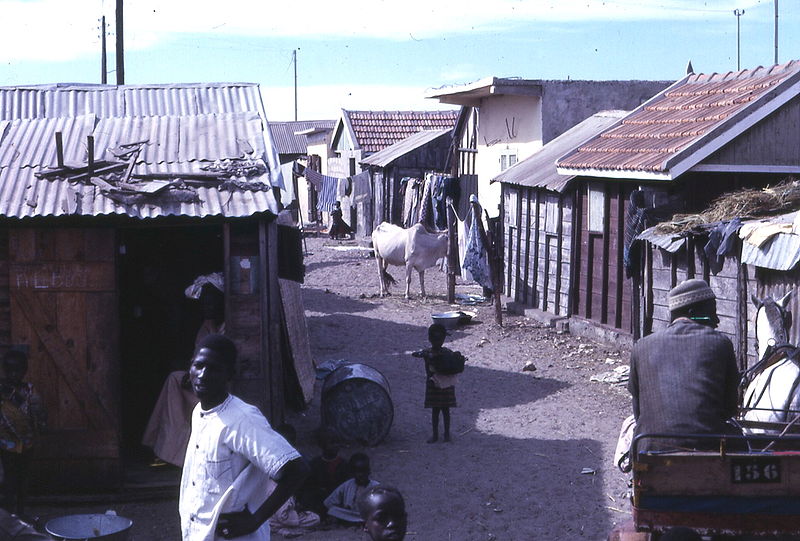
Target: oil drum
[{"x": 357, "y": 404}]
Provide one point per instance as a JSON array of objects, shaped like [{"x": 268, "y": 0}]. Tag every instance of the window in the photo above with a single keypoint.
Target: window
[
  {"x": 597, "y": 206},
  {"x": 507, "y": 159},
  {"x": 511, "y": 207}
]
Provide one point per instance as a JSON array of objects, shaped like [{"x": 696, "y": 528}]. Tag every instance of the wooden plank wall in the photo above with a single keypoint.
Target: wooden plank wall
[
  {"x": 538, "y": 251},
  {"x": 602, "y": 293},
  {"x": 5, "y": 299},
  {"x": 732, "y": 286},
  {"x": 252, "y": 311}
]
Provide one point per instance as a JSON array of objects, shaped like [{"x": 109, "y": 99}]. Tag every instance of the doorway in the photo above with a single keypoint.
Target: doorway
[{"x": 158, "y": 323}]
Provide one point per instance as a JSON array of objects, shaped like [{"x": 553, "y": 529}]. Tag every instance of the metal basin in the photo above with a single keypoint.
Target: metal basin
[
  {"x": 451, "y": 320},
  {"x": 95, "y": 527}
]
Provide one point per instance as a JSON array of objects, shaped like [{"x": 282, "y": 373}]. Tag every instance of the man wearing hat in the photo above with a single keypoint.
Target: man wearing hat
[{"x": 684, "y": 378}]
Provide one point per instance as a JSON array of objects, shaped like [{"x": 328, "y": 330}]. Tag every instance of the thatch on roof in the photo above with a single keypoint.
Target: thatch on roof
[{"x": 745, "y": 203}]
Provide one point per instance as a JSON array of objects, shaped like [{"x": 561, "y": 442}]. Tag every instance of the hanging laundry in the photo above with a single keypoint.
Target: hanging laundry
[
  {"x": 462, "y": 229},
  {"x": 426, "y": 208},
  {"x": 314, "y": 178},
  {"x": 635, "y": 223},
  {"x": 442, "y": 188},
  {"x": 410, "y": 200},
  {"x": 327, "y": 195},
  {"x": 720, "y": 243},
  {"x": 476, "y": 260}
]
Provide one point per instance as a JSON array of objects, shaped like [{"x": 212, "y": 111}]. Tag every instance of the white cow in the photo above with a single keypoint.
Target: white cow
[{"x": 412, "y": 248}]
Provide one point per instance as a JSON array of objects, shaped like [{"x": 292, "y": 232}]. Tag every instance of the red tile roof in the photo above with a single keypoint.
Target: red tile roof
[
  {"x": 677, "y": 118},
  {"x": 376, "y": 130}
]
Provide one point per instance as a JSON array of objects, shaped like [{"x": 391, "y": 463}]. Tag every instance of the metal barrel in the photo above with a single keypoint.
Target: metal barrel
[
  {"x": 357, "y": 404},
  {"x": 94, "y": 527}
]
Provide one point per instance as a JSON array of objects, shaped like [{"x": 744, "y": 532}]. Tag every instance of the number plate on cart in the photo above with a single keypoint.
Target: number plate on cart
[{"x": 755, "y": 470}]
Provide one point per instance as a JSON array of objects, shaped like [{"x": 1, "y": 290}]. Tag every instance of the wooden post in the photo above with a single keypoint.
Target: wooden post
[
  {"x": 741, "y": 311},
  {"x": 60, "y": 149},
  {"x": 490, "y": 244},
  {"x": 452, "y": 252},
  {"x": 90, "y": 152}
]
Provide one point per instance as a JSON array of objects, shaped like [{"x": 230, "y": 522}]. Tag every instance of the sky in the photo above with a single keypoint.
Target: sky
[{"x": 385, "y": 55}]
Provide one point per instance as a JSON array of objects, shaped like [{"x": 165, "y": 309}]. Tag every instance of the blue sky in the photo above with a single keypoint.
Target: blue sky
[{"x": 376, "y": 54}]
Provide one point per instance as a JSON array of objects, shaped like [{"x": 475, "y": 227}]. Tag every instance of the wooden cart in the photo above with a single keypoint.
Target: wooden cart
[{"x": 720, "y": 493}]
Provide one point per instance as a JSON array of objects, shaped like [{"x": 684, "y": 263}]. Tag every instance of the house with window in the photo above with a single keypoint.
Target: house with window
[{"x": 508, "y": 119}]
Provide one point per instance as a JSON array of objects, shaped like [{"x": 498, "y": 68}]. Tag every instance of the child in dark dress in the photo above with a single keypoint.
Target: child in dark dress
[
  {"x": 440, "y": 390},
  {"x": 339, "y": 228}
]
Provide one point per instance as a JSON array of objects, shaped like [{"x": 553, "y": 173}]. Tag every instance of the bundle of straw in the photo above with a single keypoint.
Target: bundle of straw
[{"x": 747, "y": 203}]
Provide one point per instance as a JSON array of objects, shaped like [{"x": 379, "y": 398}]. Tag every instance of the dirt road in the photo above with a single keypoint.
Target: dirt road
[{"x": 521, "y": 438}]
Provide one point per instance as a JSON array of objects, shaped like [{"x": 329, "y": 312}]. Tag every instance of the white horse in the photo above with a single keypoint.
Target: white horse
[{"x": 772, "y": 385}]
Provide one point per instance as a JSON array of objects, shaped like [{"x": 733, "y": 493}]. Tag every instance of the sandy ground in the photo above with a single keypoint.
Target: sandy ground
[{"x": 521, "y": 439}]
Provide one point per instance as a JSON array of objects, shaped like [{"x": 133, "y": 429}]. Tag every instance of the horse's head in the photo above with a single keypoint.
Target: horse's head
[{"x": 772, "y": 322}]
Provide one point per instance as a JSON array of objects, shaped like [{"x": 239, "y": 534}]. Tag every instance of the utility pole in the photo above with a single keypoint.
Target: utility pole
[
  {"x": 738, "y": 13},
  {"x": 294, "y": 61},
  {"x": 103, "y": 54},
  {"x": 776, "y": 31},
  {"x": 120, "y": 46}
]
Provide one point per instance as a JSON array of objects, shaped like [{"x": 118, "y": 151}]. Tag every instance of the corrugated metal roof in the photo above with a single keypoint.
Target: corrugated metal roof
[
  {"x": 781, "y": 252},
  {"x": 678, "y": 118},
  {"x": 671, "y": 243},
  {"x": 376, "y": 130},
  {"x": 286, "y": 138},
  {"x": 184, "y": 128},
  {"x": 384, "y": 157},
  {"x": 539, "y": 170}
]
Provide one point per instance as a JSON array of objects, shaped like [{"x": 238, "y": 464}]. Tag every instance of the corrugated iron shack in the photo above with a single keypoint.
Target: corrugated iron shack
[
  {"x": 538, "y": 221},
  {"x": 705, "y": 135},
  {"x": 412, "y": 157},
  {"x": 359, "y": 134},
  {"x": 112, "y": 200}
]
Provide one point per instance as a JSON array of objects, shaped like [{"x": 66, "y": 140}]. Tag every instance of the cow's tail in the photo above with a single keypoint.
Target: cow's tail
[{"x": 388, "y": 278}]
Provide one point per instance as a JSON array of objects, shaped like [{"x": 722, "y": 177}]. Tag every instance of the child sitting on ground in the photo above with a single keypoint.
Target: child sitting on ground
[
  {"x": 288, "y": 521},
  {"x": 384, "y": 513},
  {"x": 343, "y": 502},
  {"x": 328, "y": 471}
]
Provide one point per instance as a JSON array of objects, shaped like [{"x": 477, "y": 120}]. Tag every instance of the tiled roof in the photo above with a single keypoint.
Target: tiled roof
[
  {"x": 183, "y": 129},
  {"x": 286, "y": 138},
  {"x": 376, "y": 130},
  {"x": 685, "y": 115}
]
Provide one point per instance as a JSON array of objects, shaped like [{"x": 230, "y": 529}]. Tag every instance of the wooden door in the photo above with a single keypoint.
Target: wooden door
[
  {"x": 252, "y": 314},
  {"x": 62, "y": 286}
]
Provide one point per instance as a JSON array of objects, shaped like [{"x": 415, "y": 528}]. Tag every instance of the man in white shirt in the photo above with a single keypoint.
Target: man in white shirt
[{"x": 232, "y": 454}]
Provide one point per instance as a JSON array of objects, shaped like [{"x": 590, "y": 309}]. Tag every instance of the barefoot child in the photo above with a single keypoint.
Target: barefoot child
[
  {"x": 384, "y": 513},
  {"x": 442, "y": 366}
]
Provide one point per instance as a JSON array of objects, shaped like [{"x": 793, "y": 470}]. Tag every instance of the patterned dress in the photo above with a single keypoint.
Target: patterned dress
[
  {"x": 440, "y": 390},
  {"x": 21, "y": 416}
]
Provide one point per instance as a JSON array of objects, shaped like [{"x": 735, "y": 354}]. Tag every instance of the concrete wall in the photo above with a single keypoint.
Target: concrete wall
[
  {"x": 508, "y": 125},
  {"x": 566, "y": 103}
]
